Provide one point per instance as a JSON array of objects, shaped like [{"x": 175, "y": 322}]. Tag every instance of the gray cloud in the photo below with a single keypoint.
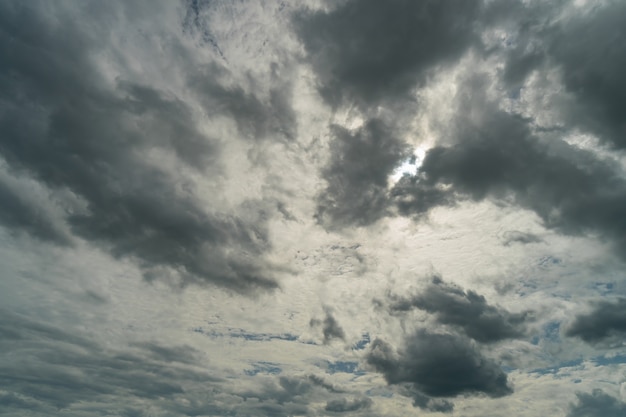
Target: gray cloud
[
  {"x": 467, "y": 311},
  {"x": 438, "y": 405},
  {"x": 439, "y": 365},
  {"x": 495, "y": 156},
  {"x": 71, "y": 131},
  {"x": 357, "y": 174},
  {"x": 592, "y": 69},
  {"x": 366, "y": 50},
  {"x": 53, "y": 369},
  {"x": 606, "y": 323},
  {"x": 598, "y": 403},
  {"x": 344, "y": 405},
  {"x": 515, "y": 236},
  {"x": 330, "y": 327}
]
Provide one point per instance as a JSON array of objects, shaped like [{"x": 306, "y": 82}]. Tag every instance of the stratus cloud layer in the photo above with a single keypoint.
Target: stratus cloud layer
[{"x": 201, "y": 213}]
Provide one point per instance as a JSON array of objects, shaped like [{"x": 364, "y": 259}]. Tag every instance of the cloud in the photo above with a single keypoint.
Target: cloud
[
  {"x": 365, "y": 51},
  {"x": 344, "y": 405},
  {"x": 357, "y": 174},
  {"x": 54, "y": 369},
  {"x": 598, "y": 403},
  {"x": 439, "y": 365},
  {"x": 594, "y": 74},
  {"x": 494, "y": 155},
  {"x": 330, "y": 327},
  {"x": 466, "y": 311},
  {"x": 69, "y": 128},
  {"x": 606, "y": 323}
]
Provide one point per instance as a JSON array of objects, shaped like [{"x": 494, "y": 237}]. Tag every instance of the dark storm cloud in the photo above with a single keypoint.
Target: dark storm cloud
[
  {"x": 593, "y": 69},
  {"x": 438, "y": 365},
  {"x": 494, "y": 155},
  {"x": 368, "y": 50},
  {"x": 67, "y": 128},
  {"x": 344, "y": 405},
  {"x": 467, "y": 311},
  {"x": 598, "y": 403},
  {"x": 357, "y": 174},
  {"x": 330, "y": 327},
  {"x": 606, "y": 323}
]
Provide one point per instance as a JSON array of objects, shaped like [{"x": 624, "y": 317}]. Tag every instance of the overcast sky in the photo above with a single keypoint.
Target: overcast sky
[{"x": 313, "y": 208}]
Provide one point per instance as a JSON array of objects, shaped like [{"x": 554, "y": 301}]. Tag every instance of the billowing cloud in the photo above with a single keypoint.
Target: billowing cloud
[
  {"x": 597, "y": 403},
  {"x": 72, "y": 131},
  {"x": 367, "y": 51},
  {"x": 606, "y": 323},
  {"x": 200, "y": 199},
  {"x": 358, "y": 174},
  {"x": 439, "y": 365},
  {"x": 466, "y": 311},
  {"x": 495, "y": 156}
]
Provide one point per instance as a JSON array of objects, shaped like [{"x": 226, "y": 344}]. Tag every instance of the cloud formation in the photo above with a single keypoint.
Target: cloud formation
[
  {"x": 466, "y": 311},
  {"x": 597, "y": 403},
  {"x": 72, "y": 131},
  {"x": 605, "y": 323},
  {"x": 380, "y": 51},
  {"x": 438, "y": 365}
]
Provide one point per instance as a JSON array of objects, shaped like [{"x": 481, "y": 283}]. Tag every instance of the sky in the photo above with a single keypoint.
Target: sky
[{"x": 313, "y": 208}]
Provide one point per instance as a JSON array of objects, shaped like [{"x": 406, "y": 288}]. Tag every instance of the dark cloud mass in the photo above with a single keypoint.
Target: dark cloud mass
[
  {"x": 606, "y": 323},
  {"x": 495, "y": 155},
  {"x": 597, "y": 403},
  {"x": 439, "y": 365},
  {"x": 357, "y": 174},
  {"x": 467, "y": 311},
  {"x": 65, "y": 126},
  {"x": 593, "y": 69},
  {"x": 367, "y": 50}
]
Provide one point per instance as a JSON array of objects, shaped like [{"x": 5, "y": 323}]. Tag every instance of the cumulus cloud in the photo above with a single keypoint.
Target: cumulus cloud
[
  {"x": 438, "y": 365},
  {"x": 380, "y": 51},
  {"x": 605, "y": 323},
  {"x": 466, "y": 311},
  {"x": 597, "y": 403}
]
